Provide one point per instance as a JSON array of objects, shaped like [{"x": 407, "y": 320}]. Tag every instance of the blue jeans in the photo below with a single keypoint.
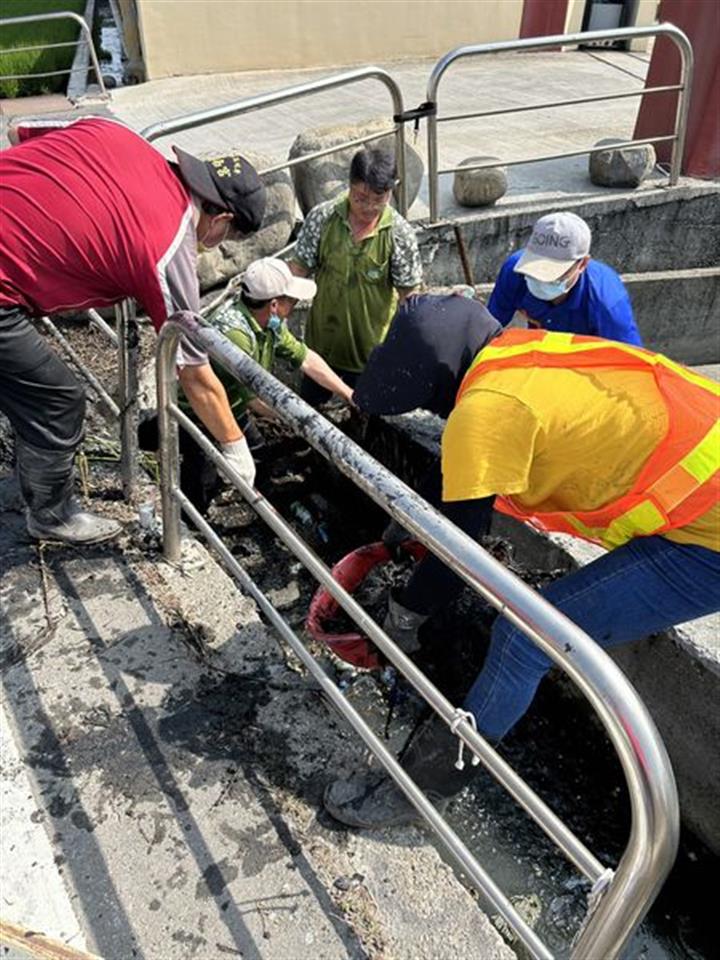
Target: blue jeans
[{"x": 645, "y": 586}]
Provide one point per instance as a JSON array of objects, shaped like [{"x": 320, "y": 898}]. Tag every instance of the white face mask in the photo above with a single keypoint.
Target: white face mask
[
  {"x": 546, "y": 289},
  {"x": 551, "y": 289}
]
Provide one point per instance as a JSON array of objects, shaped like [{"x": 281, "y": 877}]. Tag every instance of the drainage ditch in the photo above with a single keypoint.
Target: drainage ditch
[{"x": 559, "y": 747}]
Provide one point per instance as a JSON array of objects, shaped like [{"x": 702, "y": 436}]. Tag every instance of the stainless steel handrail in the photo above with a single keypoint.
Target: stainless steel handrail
[
  {"x": 655, "y": 819},
  {"x": 128, "y": 352},
  {"x": 87, "y": 39},
  {"x": 260, "y": 101},
  {"x": 563, "y": 39},
  {"x": 237, "y": 107},
  {"x": 571, "y": 846},
  {"x": 39, "y": 46}
]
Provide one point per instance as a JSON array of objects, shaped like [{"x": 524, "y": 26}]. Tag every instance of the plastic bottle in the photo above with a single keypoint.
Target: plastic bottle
[
  {"x": 301, "y": 513},
  {"x": 146, "y": 516}
]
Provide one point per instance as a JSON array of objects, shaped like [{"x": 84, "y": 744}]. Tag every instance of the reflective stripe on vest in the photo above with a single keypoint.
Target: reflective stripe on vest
[{"x": 680, "y": 480}]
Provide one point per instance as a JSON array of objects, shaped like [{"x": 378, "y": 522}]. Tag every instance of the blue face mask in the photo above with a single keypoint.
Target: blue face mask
[
  {"x": 546, "y": 289},
  {"x": 274, "y": 323}
]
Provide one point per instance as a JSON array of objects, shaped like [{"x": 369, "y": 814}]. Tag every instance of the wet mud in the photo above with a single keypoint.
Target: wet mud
[{"x": 217, "y": 728}]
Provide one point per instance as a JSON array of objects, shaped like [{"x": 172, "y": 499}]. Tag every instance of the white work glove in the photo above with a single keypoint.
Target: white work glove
[{"x": 239, "y": 456}]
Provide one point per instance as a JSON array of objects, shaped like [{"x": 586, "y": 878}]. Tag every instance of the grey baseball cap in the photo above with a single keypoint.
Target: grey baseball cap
[{"x": 558, "y": 240}]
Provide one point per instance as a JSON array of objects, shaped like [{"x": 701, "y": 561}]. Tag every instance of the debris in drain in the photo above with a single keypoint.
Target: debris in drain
[
  {"x": 349, "y": 883},
  {"x": 308, "y": 520}
]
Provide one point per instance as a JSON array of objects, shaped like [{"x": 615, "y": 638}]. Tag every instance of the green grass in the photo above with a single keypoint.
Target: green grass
[{"x": 32, "y": 34}]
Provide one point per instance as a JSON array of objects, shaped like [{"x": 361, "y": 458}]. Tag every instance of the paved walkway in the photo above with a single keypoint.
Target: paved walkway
[
  {"x": 503, "y": 80},
  {"x": 161, "y": 773}
]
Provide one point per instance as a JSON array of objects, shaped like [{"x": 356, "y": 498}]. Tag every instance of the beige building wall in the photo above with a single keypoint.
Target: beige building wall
[{"x": 216, "y": 36}]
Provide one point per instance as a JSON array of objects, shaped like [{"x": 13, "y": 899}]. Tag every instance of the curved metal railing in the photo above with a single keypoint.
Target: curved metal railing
[
  {"x": 238, "y": 107},
  {"x": 86, "y": 39},
  {"x": 538, "y": 43},
  {"x": 621, "y": 897}
]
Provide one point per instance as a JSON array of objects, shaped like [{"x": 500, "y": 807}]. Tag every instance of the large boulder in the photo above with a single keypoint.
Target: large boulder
[
  {"x": 231, "y": 257},
  {"x": 324, "y": 178},
  {"x": 479, "y": 188},
  {"x": 624, "y": 167}
]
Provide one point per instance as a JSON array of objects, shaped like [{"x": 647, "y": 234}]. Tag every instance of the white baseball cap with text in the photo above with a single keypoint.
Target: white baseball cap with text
[{"x": 558, "y": 241}]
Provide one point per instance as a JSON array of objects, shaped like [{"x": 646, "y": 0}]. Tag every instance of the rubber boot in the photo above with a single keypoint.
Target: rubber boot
[
  {"x": 402, "y": 625},
  {"x": 375, "y": 801},
  {"x": 46, "y": 482}
]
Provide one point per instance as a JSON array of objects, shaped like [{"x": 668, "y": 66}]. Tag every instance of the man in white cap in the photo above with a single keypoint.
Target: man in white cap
[
  {"x": 255, "y": 321},
  {"x": 556, "y": 285}
]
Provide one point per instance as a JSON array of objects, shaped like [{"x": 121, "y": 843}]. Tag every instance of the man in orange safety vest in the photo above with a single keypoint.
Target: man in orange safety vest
[{"x": 603, "y": 440}]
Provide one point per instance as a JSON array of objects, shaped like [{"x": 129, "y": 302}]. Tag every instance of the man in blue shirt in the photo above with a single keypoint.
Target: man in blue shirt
[{"x": 555, "y": 284}]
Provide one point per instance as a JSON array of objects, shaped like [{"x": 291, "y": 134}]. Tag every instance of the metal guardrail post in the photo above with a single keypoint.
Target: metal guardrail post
[
  {"x": 564, "y": 39},
  {"x": 653, "y": 796},
  {"x": 84, "y": 30},
  {"x": 238, "y": 107},
  {"x": 687, "y": 66},
  {"x": 169, "y": 455},
  {"x": 128, "y": 351}
]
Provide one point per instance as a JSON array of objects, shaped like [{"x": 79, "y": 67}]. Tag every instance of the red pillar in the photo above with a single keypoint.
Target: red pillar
[
  {"x": 700, "y": 20},
  {"x": 543, "y": 18}
]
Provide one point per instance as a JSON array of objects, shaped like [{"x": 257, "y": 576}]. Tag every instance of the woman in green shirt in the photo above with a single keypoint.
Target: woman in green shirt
[{"x": 364, "y": 257}]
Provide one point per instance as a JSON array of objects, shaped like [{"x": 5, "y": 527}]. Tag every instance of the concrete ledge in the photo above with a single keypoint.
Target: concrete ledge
[
  {"x": 666, "y": 228},
  {"x": 676, "y": 311}
]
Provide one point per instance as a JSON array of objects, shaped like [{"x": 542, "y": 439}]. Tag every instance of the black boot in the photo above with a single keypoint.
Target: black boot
[
  {"x": 46, "y": 482},
  {"x": 375, "y": 801}
]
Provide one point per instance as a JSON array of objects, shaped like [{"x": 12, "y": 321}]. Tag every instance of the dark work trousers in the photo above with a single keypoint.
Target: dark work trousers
[
  {"x": 312, "y": 393},
  {"x": 39, "y": 393},
  {"x": 433, "y": 585},
  {"x": 199, "y": 478}
]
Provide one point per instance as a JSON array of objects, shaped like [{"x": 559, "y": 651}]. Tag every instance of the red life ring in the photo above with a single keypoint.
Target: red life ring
[{"x": 350, "y": 573}]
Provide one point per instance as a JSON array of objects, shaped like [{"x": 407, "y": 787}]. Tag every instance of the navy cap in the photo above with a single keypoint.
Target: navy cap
[{"x": 231, "y": 183}]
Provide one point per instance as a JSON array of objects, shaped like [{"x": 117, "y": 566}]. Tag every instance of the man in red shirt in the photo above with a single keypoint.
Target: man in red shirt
[{"x": 91, "y": 214}]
